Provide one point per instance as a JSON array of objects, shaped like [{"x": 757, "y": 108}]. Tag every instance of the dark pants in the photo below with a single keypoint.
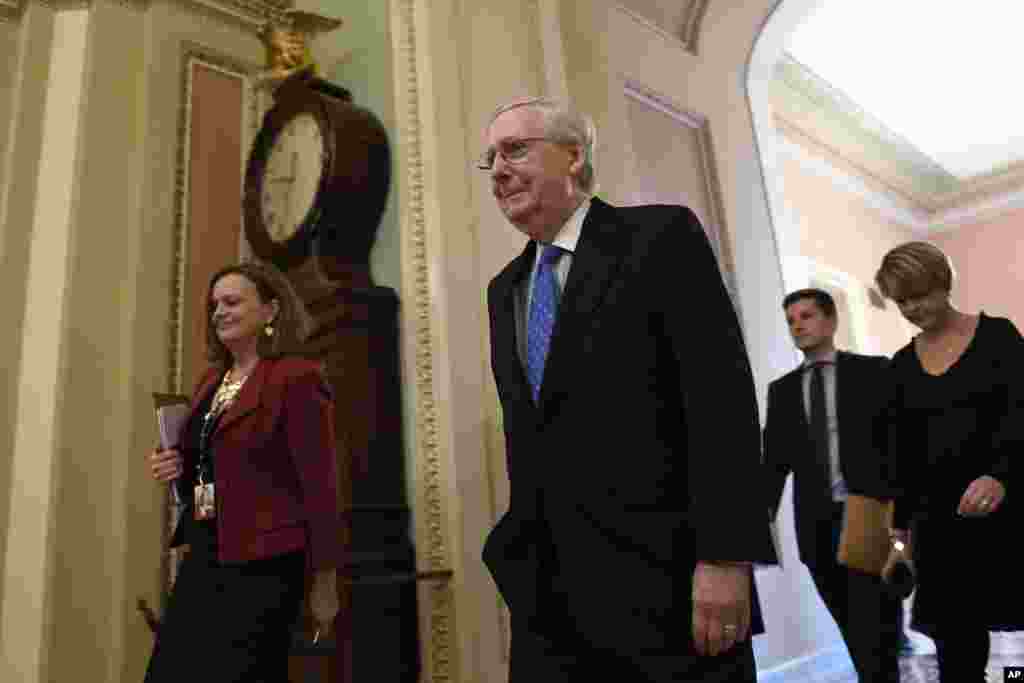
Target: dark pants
[
  {"x": 229, "y": 623},
  {"x": 869, "y": 617},
  {"x": 538, "y": 660},
  {"x": 962, "y": 651}
]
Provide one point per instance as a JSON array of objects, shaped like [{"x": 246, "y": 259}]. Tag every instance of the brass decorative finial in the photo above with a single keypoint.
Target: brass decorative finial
[{"x": 288, "y": 44}]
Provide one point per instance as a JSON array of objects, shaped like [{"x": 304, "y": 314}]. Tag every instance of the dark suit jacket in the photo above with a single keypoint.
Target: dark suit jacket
[
  {"x": 275, "y": 465},
  {"x": 862, "y": 388},
  {"x": 642, "y": 455}
]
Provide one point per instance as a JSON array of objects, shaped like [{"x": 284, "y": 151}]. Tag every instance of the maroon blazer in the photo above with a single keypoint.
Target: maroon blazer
[{"x": 275, "y": 465}]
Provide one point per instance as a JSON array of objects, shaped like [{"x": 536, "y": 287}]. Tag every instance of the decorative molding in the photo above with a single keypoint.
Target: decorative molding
[
  {"x": 816, "y": 160},
  {"x": 686, "y": 33},
  {"x": 669, "y": 37},
  {"x": 814, "y": 105},
  {"x": 192, "y": 53},
  {"x": 814, "y": 114},
  {"x": 432, "y": 547},
  {"x": 709, "y": 173},
  {"x": 11, "y": 10},
  {"x": 253, "y": 13},
  {"x": 819, "y": 160},
  {"x": 693, "y": 18}
]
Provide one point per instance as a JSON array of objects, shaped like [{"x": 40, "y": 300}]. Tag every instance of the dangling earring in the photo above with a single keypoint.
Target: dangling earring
[{"x": 268, "y": 329}]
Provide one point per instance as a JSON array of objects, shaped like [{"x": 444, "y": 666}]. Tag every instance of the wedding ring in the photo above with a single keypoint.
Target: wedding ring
[
  {"x": 729, "y": 628},
  {"x": 985, "y": 502}
]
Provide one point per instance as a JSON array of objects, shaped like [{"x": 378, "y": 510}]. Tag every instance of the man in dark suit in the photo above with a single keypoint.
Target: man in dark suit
[
  {"x": 630, "y": 423},
  {"x": 826, "y": 425}
]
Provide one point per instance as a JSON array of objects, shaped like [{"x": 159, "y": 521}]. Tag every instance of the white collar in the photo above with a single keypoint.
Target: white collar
[
  {"x": 829, "y": 357},
  {"x": 568, "y": 236}
]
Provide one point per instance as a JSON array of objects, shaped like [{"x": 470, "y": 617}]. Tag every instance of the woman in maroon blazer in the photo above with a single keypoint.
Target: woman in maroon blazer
[{"x": 255, "y": 467}]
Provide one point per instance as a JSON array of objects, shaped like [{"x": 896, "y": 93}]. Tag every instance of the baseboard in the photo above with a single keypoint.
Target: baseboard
[{"x": 825, "y": 666}]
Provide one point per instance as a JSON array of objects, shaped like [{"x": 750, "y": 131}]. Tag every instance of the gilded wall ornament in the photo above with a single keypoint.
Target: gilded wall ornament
[{"x": 289, "y": 45}]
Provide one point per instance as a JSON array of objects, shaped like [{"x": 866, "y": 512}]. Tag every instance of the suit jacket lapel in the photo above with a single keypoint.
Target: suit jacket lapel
[
  {"x": 506, "y": 332},
  {"x": 795, "y": 389},
  {"x": 598, "y": 253},
  {"x": 842, "y": 365}
]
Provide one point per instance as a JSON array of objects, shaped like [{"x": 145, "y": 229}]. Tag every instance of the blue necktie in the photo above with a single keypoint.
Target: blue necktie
[{"x": 543, "y": 311}]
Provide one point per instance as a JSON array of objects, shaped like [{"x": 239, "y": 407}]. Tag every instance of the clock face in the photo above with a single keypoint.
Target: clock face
[{"x": 292, "y": 176}]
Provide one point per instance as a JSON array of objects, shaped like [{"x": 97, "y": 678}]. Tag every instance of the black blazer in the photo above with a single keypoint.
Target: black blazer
[
  {"x": 642, "y": 455},
  {"x": 862, "y": 389}
]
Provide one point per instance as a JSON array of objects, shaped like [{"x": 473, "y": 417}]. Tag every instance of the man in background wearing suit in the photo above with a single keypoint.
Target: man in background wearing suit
[
  {"x": 826, "y": 425},
  {"x": 630, "y": 422}
]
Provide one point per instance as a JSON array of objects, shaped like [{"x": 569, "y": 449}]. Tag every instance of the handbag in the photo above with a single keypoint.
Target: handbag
[{"x": 864, "y": 539}]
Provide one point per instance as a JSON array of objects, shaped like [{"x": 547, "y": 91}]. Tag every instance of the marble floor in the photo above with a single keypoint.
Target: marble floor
[
  {"x": 1007, "y": 649},
  {"x": 923, "y": 669}
]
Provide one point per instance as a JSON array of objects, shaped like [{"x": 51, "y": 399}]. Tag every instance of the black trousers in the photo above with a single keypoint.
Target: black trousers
[
  {"x": 229, "y": 623},
  {"x": 962, "y": 651},
  {"x": 868, "y": 617},
  {"x": 536, "y": 659}
]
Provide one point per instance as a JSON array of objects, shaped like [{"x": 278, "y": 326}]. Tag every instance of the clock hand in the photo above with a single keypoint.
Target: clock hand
[{"x": 295, "y": 173}]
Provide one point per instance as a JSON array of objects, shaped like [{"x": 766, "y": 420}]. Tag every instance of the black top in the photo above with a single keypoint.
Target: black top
[
  {"x": 946, "y": 431},
  {"x": 950, "y": 429},
  {"x": 200, "y": 535}
]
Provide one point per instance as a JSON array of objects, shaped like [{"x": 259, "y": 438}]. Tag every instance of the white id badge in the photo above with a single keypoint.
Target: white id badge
[{"x": 205, "y": 505}]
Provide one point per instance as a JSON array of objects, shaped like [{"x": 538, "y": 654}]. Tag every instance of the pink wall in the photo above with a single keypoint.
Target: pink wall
[
  {"x": 989, "y": 260},
  {"x": 839, "y": 231}
]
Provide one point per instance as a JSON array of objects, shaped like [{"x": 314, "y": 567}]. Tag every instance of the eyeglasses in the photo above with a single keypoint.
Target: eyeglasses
[{"x": 512, "y": 151}]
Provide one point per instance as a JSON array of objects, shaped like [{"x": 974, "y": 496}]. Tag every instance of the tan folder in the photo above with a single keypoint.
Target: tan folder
[{"x": 864, "y": 542}]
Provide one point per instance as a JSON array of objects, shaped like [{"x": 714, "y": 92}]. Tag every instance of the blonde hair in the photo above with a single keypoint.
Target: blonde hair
[{"x": 914, "y": 268}]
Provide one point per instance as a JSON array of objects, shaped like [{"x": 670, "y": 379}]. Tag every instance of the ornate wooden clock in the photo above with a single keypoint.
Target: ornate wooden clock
[
  {"x": 316, "y": 185},
  {"x": 317, "y": 179}
]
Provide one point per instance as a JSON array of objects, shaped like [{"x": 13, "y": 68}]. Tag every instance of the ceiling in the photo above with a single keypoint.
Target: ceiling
[
  {"x": 913, "y": 98},
  {"x": 910, "y": 101}
]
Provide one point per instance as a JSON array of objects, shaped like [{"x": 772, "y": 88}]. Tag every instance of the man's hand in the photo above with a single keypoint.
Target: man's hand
[{"x": 721, "y": 606}]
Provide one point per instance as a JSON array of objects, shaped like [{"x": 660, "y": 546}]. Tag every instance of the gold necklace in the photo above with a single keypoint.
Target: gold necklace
[{"x": 226, "y": 392}]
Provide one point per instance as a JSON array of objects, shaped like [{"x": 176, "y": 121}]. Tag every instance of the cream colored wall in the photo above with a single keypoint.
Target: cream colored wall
[
  {"x": 989, "y": 258},
  {"x": 83, "y": 522},
  {"x": 28, "y": 75},
  {"x": 9, "y": 35}
]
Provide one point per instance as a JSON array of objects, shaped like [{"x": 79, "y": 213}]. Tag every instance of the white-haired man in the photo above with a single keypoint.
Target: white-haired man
[{"x": 631, "y": 427}]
